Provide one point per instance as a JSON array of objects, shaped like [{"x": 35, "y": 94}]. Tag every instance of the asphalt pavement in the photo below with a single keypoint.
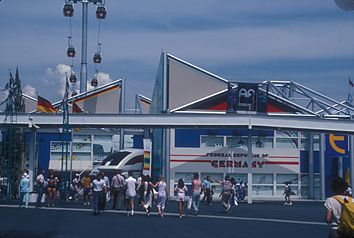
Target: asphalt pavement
[{"x": 72, "y": 219}]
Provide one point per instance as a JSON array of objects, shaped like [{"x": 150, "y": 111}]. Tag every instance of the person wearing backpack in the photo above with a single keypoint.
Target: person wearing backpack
[{"x": 340, "y": 211}]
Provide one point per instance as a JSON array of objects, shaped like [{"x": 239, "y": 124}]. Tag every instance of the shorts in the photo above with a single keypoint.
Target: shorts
[
  {"x": 51, "y": 186},
  {"x": 130, "y": 197},
  {"x": 180, "y": 196}
]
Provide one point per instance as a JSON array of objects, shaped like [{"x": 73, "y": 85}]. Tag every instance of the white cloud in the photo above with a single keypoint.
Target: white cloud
[
  {"x": 30, "y": 91},
  {"x": 56, "y": 78},
  {"x": 102, "y": 79}
]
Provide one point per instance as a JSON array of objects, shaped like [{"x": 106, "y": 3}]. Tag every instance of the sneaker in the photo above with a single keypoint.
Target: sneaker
[
  {"x": 196, "y": 213},
  {"x": 132, "y": 212},
  {"x": 285, "y": 204},
  {"x": 291, "y": 203},
  {"x": 180, "y": 216}
]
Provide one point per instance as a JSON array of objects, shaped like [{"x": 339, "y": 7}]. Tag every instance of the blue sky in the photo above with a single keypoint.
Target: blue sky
[{"x": 310, "y": 42}]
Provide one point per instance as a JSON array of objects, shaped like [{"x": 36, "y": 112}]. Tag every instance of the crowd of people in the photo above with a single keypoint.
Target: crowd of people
[{"x": 125, "y": 191}]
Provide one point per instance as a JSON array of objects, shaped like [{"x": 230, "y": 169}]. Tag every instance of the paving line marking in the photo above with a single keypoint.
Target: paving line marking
[{"x": 177, "y": 215}]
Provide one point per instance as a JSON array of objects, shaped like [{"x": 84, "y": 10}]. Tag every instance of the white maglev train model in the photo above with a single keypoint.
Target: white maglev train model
[{"x": 123, "y": 161}]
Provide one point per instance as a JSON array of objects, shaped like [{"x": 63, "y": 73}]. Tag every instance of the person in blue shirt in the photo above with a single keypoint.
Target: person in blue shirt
[
  {"x": 24, "y": 189},
  {"x": 207, "y": 190}
]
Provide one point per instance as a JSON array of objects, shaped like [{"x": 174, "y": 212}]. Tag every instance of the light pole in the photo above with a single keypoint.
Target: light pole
[{"x": 99, "y": 15}]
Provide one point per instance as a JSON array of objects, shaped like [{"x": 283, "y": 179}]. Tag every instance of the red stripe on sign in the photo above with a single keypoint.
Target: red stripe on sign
[
  {"x": 283, "y": 157},
  {"x": 193, "y": 161},
  {"x": 281, "y": 162},
  {"x": 187, "y": 155}
]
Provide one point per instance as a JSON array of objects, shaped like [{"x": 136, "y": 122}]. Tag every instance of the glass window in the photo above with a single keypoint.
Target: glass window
[
  {"x": 280, "y": 190},
  {"x": 236, "y": 141},
  {"x": 305, "y": 142},
  {"x": 79, "y": 147},
  {"x": 286, "y": 134},
  {"x": 305, "y": 180},
  {"x": 262, "y": 190},
  {"x": 283, "y": 178},
  {"x": 262, "y": 178},
  {"x": 239, "y": 177},
  {"x": 211, "y": 141},
  {"x": 187, "y": 177},
  {"x": 286, "y": 143},
  {"x": 262, "y": 142}
]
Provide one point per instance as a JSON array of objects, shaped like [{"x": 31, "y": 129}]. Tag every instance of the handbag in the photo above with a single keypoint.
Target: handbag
[{"x": 189, "y": 205}]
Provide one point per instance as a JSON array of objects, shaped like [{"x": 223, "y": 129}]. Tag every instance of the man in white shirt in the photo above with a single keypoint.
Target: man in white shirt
[
  {"x": 130, "y": 193},
  {"x": 106, "y": 193},
  {"x": 40, "y": 188},
  {"x": 99, "y": 188}
]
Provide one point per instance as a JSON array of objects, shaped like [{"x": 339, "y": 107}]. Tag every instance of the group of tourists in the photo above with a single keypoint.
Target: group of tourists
[{"x": 124, "y": 192}]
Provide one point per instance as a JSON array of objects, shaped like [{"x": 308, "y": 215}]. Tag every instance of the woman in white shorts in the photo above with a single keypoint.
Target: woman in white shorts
[{"x": 181, "y": 190}]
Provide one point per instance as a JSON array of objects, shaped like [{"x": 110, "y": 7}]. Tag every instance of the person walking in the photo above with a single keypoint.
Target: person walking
[
  {"x": 148, "y": 194},
  {"x": 24, "y": 189},
  {"x": 226, "y": 193},
  {"x": 51, "y": 188},
  {"x": 41, "y": 185},
  {"x": 117, "y": 186},
  {"x": 86, "y": 185},
  {"x": 181, "y": 190},
  {"x": 130, "y": 193},
  {"x": 161, "y": 195},
  {"x": 99, "y": 187},
  {"x": 196, "y": 190},
  {"x": 287, "y": 193},
  {"x": 207, "y": 190},
  {"x": 334, "y": 205},
  {"x": 106, "y": 192}
]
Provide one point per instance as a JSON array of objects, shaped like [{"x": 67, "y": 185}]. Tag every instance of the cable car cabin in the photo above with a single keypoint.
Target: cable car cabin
[
  {"x": 74, "y": 93},
  {"x": 123, "y": 161},
  {"x": 101, "y": 12},
  {"x": 68, "y": 10},
  {"x": 72, "y": 78},
  {"x": 71, "y": 52},
  {"x": 94, "y": 82},
  {"x": 97, "y": 58}
]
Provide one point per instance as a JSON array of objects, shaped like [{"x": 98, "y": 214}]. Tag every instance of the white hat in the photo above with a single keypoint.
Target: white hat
[{"x": 25, "y": 175}]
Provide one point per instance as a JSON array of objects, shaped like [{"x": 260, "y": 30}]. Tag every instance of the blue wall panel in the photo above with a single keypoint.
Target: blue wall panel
[{"x": 43, "y": 142}]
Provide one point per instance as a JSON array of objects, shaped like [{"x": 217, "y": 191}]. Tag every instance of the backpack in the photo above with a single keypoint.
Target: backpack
[{"x": 346, "y": 225}]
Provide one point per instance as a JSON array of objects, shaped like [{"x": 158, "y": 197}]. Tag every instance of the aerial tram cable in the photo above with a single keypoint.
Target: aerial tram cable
[
  {"x": 68, "y": 11},
  {"x": 101, "y": 13}
]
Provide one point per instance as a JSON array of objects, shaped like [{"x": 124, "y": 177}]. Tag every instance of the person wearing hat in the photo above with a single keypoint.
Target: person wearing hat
[{"x": 24, "y": 189}]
